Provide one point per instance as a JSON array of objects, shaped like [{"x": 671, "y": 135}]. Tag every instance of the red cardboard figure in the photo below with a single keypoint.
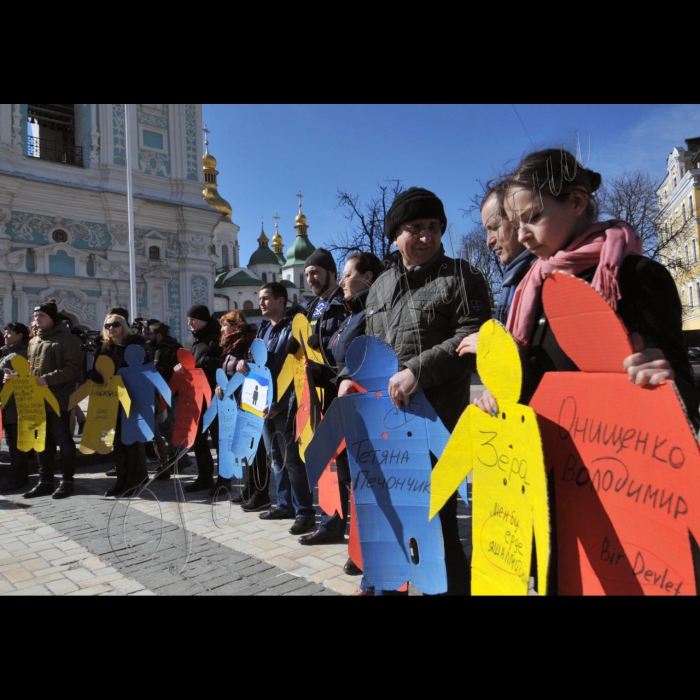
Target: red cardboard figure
[
  {"x": 624, "y": 460},
  {"x": 191, "y": 386}
]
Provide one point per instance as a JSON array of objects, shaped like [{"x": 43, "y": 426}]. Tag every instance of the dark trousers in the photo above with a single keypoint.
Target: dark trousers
[
  {"x": 202, "y": 451},
  {"x": 19, "y": 461},
  {"x": 57, "y": 435}
]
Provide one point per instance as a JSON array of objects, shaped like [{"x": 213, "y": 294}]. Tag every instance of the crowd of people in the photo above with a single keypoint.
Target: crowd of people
[{"x": 427, "y": 306}]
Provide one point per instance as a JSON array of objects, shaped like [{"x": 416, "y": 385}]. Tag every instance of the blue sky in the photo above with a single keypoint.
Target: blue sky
[{"x": 267, "y": 153}]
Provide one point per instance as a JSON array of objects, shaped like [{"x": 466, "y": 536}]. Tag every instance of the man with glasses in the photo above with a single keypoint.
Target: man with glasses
[
  {"x": 422, "y": 306},
  {"x": 55, "y": 357}
]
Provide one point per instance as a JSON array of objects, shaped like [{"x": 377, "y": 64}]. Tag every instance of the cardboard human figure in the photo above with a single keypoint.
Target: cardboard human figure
[
  {"x": 309, "y": 401},
  {"x": 30, "y": 400},
  {"x": 624, "y": 459},
  {"x": 242, "y": 436},
  {"x": 141, "y": 381},
  {"x": 103, "y": 407},
  {"x": 191, "y": 388},
  {"x": 504, "y": 452},
  {"x": 227, "y": 411},
  {"x": 309, "y": 397},
  {"x": 389, "y": 455}
]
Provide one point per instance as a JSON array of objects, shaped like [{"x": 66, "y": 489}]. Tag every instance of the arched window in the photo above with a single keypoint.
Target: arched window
[
  {"x": 274, "y": 277},
  {"x": 264, "y": 277},
  {"x": 154, "y": 252},
  {"x": 224, "y": 255},
  {"x": 248, "y": 305},
  {"x": 690, "y": 295}
]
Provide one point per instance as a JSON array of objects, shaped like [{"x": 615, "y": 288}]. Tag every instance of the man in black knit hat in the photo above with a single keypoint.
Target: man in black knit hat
[{"x": 422, "y": 306}]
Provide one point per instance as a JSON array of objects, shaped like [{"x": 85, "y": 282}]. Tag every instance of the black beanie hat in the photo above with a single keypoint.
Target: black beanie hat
[
  {"x": 414, "y": 203},
  {"x": 321, "y": 258},
  {"x": 200, "y": 312},
  {"x": 49, "y": 308}
]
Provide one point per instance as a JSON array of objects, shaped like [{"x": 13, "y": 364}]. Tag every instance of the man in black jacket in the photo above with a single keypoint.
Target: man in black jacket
[{"x": 205, "y": 346}]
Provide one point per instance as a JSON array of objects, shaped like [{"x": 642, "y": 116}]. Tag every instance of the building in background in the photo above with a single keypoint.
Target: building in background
[
  {"x": 679, "y": 227},
  {"x": 63, "y": 212},
  {"x": 237, "y": 287}
]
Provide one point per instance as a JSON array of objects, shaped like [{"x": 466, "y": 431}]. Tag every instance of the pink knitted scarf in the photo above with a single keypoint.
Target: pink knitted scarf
[{"x": 605, "y": 244}]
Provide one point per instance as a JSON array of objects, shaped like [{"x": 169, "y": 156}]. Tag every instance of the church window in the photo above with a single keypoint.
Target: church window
[
  {"x": 154, "y": 252},
  {"x": 224, "y": 255},
  {"x": 248, "y": 305},
  {"x": 264, "y": 276},
  {"x": 59, "y": 235},
  {"x": 51, "y": 134}
]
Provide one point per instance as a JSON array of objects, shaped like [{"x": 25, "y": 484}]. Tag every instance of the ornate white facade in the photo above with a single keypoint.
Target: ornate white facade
[{"x": 63, "y": 212}]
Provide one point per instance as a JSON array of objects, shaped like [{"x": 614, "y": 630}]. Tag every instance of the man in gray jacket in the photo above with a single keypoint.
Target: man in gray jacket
[
  {"x": 422, "y": 306},
  {"x": 56, "y": 359}
]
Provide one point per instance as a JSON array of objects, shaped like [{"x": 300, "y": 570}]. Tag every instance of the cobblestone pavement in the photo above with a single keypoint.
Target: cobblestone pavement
[{"x": 165, "y": 542}]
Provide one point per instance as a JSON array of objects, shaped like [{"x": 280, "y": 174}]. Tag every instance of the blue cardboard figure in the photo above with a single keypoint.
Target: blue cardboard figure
[
  {"x": 239, "y": 438},
  {"x": 140, "y": 381},
  {"x": 227, "y": 410},
  {"x": 389, "y": 454}
]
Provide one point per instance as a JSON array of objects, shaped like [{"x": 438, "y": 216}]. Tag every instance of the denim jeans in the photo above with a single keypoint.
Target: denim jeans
[
  {"x": 57, "y": 435},
  {"x": 293, "y": 492}
]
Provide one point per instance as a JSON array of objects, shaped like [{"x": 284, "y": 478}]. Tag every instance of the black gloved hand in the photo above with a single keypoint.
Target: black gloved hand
[
  {"x": 314, "y": 342},
  {"x": 94, "y": 376},
  {"x": 292, "y": 345}
]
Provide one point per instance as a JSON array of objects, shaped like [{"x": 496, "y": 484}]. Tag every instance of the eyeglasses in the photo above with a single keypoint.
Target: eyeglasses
[
  {"x": 417, "y": 229},
  {"x": 115, "y": 324}
]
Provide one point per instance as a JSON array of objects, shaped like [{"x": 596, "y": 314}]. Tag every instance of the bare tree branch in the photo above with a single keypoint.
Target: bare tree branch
[
  {"x": 366, "y": 231},
  {"x": 474, "y": 250}
]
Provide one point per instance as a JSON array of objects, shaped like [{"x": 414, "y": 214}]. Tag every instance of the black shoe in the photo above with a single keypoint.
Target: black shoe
[
  {"x": 302, "y": 525},
  {"x": 14, "y": 485},
  {"x": 276, "y": 514},
  {"x": 41, "y": 489},
  {"x": 111, "y": 472},
  {"x": 163, "y": 475},
  {"x": 352, "y": 569},
  {"x": 65, "y": 489},
  {"x": 321, "y": 537},
  {"x": 115, "y": 491},
  {"x": 257, "y": 502},
  {"x": 200, "y": 485}
]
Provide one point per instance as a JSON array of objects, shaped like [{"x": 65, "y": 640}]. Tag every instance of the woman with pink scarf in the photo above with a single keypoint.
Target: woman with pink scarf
[{"x": 549, "y": 199}]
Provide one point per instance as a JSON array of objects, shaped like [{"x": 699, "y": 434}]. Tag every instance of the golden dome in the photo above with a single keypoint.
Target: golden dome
[{"x": 211, "y": 195}]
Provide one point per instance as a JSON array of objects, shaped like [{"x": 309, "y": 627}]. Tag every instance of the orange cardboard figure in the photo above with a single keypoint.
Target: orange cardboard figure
[
  {"x": 623, "y": 459},
  {"x": 294, "y": 370},
  {"x": 192, "y": 387},
  {"x": 509, "y": 503},
  {"x": 31, "y": 411},
  {"x": 103, "y": 407}
]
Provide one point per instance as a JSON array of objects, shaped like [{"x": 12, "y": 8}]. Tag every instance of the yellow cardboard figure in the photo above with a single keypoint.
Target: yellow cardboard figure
[
  {"x": 294, "y": 369},
  {"x": 509, "y": 499},
  {"x": 101, "y": 421},
  {"x": 31, "y": 411}
]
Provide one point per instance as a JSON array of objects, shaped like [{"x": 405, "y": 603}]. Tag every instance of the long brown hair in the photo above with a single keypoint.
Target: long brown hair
[{"x": 236, "y": 318}]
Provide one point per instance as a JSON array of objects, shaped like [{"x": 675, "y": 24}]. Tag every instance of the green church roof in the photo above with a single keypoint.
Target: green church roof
[
  {"x": 299, "y": 251},
  {"x": 263, "y": 256}
]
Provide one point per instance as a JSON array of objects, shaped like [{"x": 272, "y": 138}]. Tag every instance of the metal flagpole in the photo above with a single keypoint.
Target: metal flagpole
[{"x": 130, "y": 214}]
